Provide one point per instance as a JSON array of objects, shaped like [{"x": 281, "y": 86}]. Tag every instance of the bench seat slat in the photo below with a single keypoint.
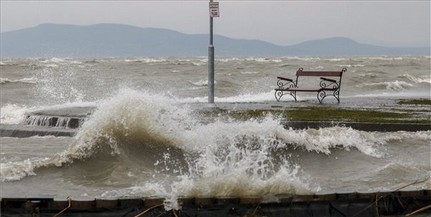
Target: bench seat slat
[
  {"x": 301, "y": 89},
  {"x": 319, "y": 73}
]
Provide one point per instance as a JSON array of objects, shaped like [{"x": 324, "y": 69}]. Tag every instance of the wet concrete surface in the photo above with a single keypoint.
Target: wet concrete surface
[
  {"x": 22, "y": 131},
  {"x": 65, "y": 121}
]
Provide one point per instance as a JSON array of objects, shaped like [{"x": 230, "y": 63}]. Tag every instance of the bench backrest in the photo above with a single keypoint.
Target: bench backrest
[{"x": 301, "y": 72}]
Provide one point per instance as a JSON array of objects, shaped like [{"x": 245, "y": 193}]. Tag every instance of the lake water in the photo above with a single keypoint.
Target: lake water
[{"x": 144, "y": 138}]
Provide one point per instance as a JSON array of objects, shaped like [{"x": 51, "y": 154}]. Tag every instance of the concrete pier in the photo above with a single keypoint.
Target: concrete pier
[
  {"x": 66, "y": 121},
  {"x": 22, "y": 131}
]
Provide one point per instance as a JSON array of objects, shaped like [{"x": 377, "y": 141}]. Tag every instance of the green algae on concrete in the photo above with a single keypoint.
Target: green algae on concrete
[
  {"x": 355, "y": 115},
  {"x": 414, "y": 102},
  {"x": 319, "y": 113}
]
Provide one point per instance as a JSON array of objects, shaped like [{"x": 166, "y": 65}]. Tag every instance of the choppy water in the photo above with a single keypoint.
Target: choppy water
[{"x": 144, "y": 138}]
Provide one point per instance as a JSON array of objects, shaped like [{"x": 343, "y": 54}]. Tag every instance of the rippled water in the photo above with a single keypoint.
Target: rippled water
[{"x": 144, "y": 138}]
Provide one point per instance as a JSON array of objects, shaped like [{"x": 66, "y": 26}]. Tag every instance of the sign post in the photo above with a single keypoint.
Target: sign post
[{"x": 214, "y": 12}]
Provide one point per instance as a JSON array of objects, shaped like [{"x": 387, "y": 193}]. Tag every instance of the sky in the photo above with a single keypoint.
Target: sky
[{"x": 387, "y": 23}]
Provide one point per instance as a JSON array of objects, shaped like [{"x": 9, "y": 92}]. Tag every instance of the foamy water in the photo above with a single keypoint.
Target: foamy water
[{"x": 144, "y": 137}]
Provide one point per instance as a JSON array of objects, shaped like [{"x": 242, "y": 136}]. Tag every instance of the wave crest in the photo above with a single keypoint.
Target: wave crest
[
  {"x": 136, "y": 138},
  {"x": 127, "y": 122}
]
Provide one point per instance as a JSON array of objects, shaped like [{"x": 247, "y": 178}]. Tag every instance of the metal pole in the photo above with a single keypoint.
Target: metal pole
[{"x": 211, "y": 64}]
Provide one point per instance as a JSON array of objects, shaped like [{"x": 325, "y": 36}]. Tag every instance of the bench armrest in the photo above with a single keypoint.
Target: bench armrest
[
  {"x": 327, "y": 79},
  {"x": 284, "y": 83},
  {"x": 286, "y": 79}
]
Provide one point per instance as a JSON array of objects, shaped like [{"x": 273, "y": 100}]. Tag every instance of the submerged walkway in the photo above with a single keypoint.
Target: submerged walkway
[{"x": 66, "y": 121}]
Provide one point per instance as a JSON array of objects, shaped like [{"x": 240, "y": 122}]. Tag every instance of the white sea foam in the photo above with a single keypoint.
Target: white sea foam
[
  {"x": 146, "y": 60},
  {"x": 54, "y": 60},
  {"x": 223, "y": 159},
  {"x": 417, "y": 80},
  {"x": 254, "y": 59},
  {"x": 250, "y": 73},
  {"x": 200, "y": 63},
  {"x": 13, "y": 171},
  {"x": 16, "y": 114},
  {"x": 12, "y": 114},
  {"x": 388, "y": 85},
  {"x": 234, "y": 158},
  {"x": 248, "y": 97},
  {"x": 143, "y": 137},
  {"x": 389, "y": 58},
  {"x": 337, "y": 59},
  {"x": 351, "y": 66},
  {"x": 201, "y": 83},
  {"x": 257, "y": 97},
  {"x": 22, "y": 80},
  {"x": 194, "y": 157}
]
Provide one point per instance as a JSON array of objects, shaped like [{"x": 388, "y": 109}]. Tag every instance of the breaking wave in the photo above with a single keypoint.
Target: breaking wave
[
  {"x": 170, "y": 150},
  {"x": 22, "y": 81},
  {"x": 388, "y": 85}
]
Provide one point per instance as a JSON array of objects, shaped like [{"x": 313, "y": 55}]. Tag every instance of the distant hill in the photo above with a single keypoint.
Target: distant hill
[{"x": 115, "y": 40}]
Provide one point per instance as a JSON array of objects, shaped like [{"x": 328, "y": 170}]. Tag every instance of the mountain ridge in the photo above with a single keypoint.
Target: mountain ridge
[{"x": 119, "y": 40}]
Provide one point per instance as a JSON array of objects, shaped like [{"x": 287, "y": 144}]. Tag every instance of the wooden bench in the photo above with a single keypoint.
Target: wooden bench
[{"x": 326, "y": 86}]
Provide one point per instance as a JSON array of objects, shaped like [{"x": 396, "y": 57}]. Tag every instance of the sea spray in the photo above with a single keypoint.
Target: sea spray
[
  {"x": 12, "y": 114},
  {"x": 128, "y": 118},
  {"x": 226, "y": 157},
  {"x": 323, "y": 140},
  {"x": 139, "y": 144},
  {"x": 186, "y": 162},
  {"x": 134, "y": 123},
  {"x": 213, "y": 152},
  {"x": 18, "y": 170}
]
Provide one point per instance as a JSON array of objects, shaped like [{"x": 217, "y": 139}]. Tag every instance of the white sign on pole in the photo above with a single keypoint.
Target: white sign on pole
[{"x": 214, "y": 9}]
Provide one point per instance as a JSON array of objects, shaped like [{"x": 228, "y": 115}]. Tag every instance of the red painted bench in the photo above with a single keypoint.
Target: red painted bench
[{"x": 327, "y": 86}]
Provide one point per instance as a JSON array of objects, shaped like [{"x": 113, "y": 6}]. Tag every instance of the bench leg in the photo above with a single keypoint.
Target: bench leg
[
  {"x": 293, "y": 94},
  {"x": 280, "y": 93},
  {"x": 322, "y": 94},
  {"x": 337, "y": 95}
]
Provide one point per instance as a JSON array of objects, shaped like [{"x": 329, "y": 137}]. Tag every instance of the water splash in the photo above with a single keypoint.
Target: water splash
[{"x": 160, "y": 147}]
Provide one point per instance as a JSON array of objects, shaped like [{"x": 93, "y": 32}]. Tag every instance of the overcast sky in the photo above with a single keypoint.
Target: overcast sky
[{"x": 394, "y": 23}]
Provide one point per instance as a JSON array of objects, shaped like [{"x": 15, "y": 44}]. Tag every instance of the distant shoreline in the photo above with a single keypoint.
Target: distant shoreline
[{"x": 116, "y": 40}]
